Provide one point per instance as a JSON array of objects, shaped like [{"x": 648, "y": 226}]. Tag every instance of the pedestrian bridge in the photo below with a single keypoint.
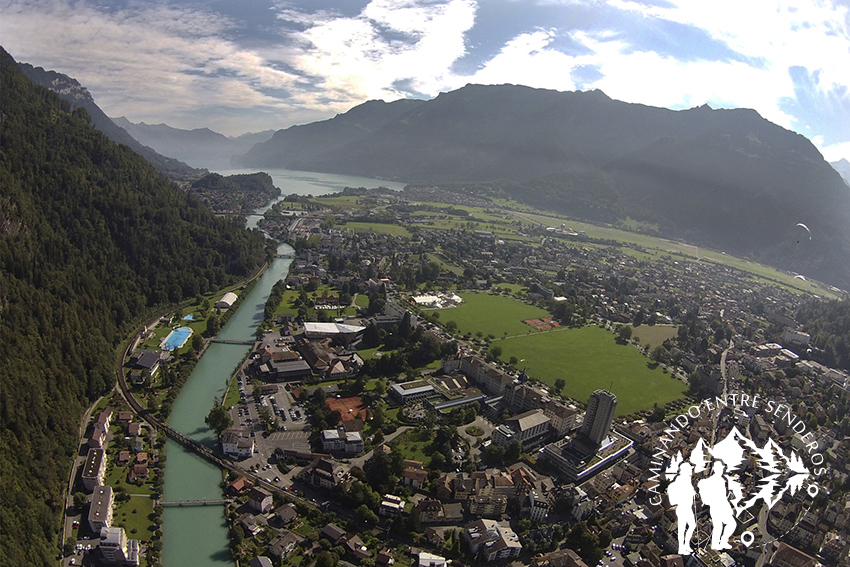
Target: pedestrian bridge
[{"x": 193, "y": 502}]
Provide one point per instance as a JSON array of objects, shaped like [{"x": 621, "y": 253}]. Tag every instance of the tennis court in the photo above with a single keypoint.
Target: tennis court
[{"x": 176, "y": 338}]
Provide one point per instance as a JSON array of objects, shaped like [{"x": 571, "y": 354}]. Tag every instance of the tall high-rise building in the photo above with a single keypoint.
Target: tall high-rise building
[{"x": 599, "y": 416}]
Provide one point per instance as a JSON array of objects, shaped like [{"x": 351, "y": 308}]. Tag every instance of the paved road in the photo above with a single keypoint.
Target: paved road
[{"x": 359, "y": 461}]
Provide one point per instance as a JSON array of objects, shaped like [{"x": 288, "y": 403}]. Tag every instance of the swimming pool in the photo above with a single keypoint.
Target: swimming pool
[
  {"x": 176, "y": 338},
  {"x": 189, "y": 317}
]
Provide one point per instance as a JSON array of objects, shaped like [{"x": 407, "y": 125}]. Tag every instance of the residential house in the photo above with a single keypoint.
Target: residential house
[
  {"x": 391, "y": 506},
  {"x": 286, "y": 513},
  {"x": 324, "y": 473},
  {"x": 284, "y": 544},
  {"x": 430, "y": 560},
  {"x": 355, "y": 546},
  {"x": 414, "y": 474},
  {"x": 333, "y": 533},
  {"x": 260, "y": 500},
  {"x": 249, "y": 523},
  {"x": 431, "y": 510}
]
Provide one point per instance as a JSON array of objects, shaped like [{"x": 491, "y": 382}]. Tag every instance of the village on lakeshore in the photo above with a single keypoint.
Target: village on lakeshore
[{"x": 421, "y": 394}]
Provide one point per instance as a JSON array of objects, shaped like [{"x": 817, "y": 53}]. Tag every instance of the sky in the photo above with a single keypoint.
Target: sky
[{"x": 239, "y": 66}]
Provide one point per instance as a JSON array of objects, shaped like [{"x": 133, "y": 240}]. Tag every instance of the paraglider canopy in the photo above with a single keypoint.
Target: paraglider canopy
[{"x": 808, "y": 232}]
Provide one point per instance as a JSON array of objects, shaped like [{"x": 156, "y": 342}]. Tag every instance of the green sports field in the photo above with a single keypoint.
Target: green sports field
[
  {"x": 589, "y": 358},
  {"x": 492, "y": 314}
]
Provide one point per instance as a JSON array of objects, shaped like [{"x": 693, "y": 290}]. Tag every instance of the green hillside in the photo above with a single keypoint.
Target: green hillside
[{"x": 93, "y": 239}]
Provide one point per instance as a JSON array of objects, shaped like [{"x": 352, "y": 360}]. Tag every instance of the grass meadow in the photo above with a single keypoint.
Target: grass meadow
[
  {"x": 492, "y": 314},
  {"x": 654, "y": 335},
  {"x": 588, "y": 358}
]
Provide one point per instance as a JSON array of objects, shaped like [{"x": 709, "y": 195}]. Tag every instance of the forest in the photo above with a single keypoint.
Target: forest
[{"x": 94, "y": 241}]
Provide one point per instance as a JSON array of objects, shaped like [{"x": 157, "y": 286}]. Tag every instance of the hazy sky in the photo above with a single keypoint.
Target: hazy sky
[{"x": 248, "y": 65}]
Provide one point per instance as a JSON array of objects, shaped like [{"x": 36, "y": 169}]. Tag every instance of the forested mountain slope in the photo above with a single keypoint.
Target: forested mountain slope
[
  {"x": 74, "y": 93},
  {"x": 92, "y": 239}
]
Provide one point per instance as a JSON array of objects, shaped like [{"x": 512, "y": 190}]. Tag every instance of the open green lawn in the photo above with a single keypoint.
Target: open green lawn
[
  {"x": 362, "y": 300},
  {"x": 135, "y": 515},
  {"x": 492, "y": 314},
  {"x": 411, "y": 447},
  {"x": 654, "y": 335},
  {"x": 589, "y": 358},
  {"x": 376, "y": 227}
]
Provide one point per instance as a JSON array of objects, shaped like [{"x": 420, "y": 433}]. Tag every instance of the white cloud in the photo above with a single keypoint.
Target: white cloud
[
  {"x": 776, "y": 36},
  {"x": 362, "y": 57},
  {"x": 529, "y": 60},
  {"x": 142, "y": 60}
]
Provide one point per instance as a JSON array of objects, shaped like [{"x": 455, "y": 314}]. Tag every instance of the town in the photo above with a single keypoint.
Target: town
[{"x": 447, "y": 383}]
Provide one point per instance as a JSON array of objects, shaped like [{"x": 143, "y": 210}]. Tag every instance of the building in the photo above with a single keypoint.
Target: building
[
  {"x": 260, "y": 500},
  {"x": 599, "y": 416},
  {"x": 430, "y": 560},
  {"x": 116, "y": 549},
  {"x": 562, "y": 558},
  {"x": 93, "y": 469},
  {"x": 528, "y": 429},
  {"x": 339, "y": 440},
  {"x": 410, "y": 391},
  {"x": 331, "y": 441},
  {"x": 492, "y": 540},
  {"x": 534, "y": 507},
  {"x": 324, "y": 473},
  {"x": 414, "y": 474},
  {"x": 353, "y": 442},
  {"x": 286, "y": 513},
  {"x": 491, "y": 505},
  {"x": 284, "y": 544},
  {"x": 100, "y": 510},
  {"x": 233, "y": 444},
  {"x": 226, "y": 301},
  {"x": 788, "y": 556},
  {"x": 391, "y": 506}
]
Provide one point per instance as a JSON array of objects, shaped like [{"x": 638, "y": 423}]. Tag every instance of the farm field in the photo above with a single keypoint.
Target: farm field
[
  {"x": 492, "y": 314},
  {"x": 589, "y": 358},
  {"x": 376, "y": 227}
]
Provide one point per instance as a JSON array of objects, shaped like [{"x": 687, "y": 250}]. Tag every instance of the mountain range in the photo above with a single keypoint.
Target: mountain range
[
  {"x": 725, "y": 179},
  {"x": 200, "y": 147},
  {"x": 78, "y": 96}
]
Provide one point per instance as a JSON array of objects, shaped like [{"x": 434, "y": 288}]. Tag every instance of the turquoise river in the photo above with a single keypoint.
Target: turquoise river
[{"x": 197, "y": 536}]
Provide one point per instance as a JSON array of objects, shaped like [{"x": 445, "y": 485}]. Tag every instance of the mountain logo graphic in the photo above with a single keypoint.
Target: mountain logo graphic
[{"x": 713, "y": 475}]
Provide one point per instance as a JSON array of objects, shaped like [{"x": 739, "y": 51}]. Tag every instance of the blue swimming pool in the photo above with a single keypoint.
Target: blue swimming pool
[
  {"x": 189, "y": 317},
  {"x": 177, "y": 338}
]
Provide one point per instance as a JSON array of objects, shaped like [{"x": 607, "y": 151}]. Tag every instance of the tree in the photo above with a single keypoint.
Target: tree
[
  {"x": 366, "y": 515},
  {"x": 80, "y": 501},
  {"x": 326, "y": 559},
  {"x": 559, "y": 384},
  {"x": 219, "y": 419},
  {"x": 513, "y": 452},
  {"x": 197, "y": 342},
  {"x": 495, "y": 352},
  {"x": 213, "y": 325},
  {"x": 625, "y": 332},
  {"x": 659, "y": 353}
]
